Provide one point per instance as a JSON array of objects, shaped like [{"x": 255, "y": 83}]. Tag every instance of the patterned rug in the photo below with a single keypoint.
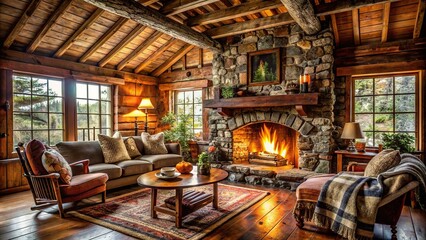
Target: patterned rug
[{"x": 130, "y": 213}]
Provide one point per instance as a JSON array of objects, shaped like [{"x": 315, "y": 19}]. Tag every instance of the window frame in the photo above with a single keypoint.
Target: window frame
[
  {"x": 175, "y": 105},
  {"x": 417, "y": 106}
]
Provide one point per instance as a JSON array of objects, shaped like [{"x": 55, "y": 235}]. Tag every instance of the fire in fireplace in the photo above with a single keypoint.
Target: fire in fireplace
[{"x": 265, "y": 144}]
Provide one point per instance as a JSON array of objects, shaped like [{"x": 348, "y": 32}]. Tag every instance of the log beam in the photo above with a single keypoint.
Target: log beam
[
  {"x": 178, "y": 55},
  {"x": 335, "y": 29},
  {"x": 156, "y": 55},
  {"x": 155, "y": 20},
  {"x": 48, "y": 25},
  {"x": 355, "y": 26},
  {"x": 179, "y": 6},
  {"x": 419, "y": 18},
  {"x": 29, "y": 11},
  {"x": 303, "y": 14},
  {"x": 70, "y": 41},
  {"x": 185, "y": 84},
  {"x": 385, "y": 29},
  {"x": 345, "y": 6}
]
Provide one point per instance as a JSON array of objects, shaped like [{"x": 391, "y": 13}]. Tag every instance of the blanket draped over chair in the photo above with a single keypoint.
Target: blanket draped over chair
[{"x": 348, "y": 203}]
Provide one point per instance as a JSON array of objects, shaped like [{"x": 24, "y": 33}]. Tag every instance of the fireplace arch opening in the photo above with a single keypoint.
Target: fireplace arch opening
[{"x": 265, "y": 143}]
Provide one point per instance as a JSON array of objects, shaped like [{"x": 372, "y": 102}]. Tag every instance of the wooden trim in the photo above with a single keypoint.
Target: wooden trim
[
  {"x": 70, "y": 41},
  {"x": 134, "y": 33},
  {"x": 29, "y": 11},
  {"x": 381, "y": 68},
  {"x": 63, "y": 68},
  {"x": 200, "y": 58},
  {"x": 355, "y": 26},
  {"x": 182, "y": 75},
  {"x": 150, "y": 40},
  {"x": 335, "y": 29},
  {"x": 70, "y": 116},
  {"x": 178, "y": 55},
  {"x": 156, "y": 55},
  {"x": 179, "y": 6},
  {"x": 419, "y": 18},
  {"x": 349, "y": 98},
  {"x": 346, "y": 5},
  {"x": 5, "y": 116},
  {"x": 185, "y": 85},
  {"x": 385, "y": 29},
  {"x": 105, "y": 37},
  {"x": 48, "y": 25},
  {"x": 233, "y": 12}
]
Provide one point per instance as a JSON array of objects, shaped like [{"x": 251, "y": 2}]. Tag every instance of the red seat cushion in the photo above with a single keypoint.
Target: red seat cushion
[
  {"x": 83, "y": 183},
  {"x": 35, "y": 150},
  {"x": 311, "y": 188}
]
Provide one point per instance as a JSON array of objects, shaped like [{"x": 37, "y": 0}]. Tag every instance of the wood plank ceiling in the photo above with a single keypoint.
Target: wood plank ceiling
[{"x": 77, "y": 31}]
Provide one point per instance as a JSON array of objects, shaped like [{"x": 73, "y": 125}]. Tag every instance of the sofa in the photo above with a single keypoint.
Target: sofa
[{"x": 122, "y": 173}]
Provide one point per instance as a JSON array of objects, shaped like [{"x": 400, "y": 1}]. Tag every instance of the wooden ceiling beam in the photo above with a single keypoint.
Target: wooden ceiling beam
[
  {"x": 101, "y": 41},
  {"x": 233, "y": 12},
  {"x": 345, "y": 6},
  {"x": 386, "y": 14},
  {"x": 335, "y": 29},
  {"x": 180, "y": 6},
  {"x": 155, "y": 20},
  {"x": 149, "y": 2},
  {"x": 156, "y": 55},
  {"x": 303, "y": 14},
  {"x": 134, "y": 33},
  {"x": 176, "y": 57},
  {"x": 70, "y": 41},
  {"x": 148, "y": 42},
  {"x": 249, "y": 26},
  {"x": 355, "y": 26},
  {"x": 419, "y": 19},
  {"x": 48, "y": 25},
  {"x": 28, "y": 12},
  {"x": 61, "y": 64}
]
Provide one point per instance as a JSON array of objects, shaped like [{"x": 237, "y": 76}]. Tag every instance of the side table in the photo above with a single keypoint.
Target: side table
[{"x": 352, "y": 155}]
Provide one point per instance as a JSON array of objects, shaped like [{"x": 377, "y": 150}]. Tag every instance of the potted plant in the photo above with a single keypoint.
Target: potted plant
[
  {"x": 227, "y": 91},
  {"x": 203, "y": 165},
  {"x": 180, "y": 131},
  {"x": 399, "y": 141}
]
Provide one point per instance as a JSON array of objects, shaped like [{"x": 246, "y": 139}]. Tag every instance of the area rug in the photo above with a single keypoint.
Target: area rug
[{"x": 130, "y": 213}]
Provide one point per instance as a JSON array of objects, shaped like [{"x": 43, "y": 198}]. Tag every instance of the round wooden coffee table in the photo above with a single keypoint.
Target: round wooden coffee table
[{"x": 179, "y": 183}]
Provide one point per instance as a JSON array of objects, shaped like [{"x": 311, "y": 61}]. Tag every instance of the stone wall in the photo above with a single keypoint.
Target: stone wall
[{"x": 300, "y": 54}]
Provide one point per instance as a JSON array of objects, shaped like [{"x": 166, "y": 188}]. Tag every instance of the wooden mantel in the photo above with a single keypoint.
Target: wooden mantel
[{"x": 298, "y": 100}]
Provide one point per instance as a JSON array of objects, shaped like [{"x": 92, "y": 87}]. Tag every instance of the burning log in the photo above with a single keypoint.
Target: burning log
[{"x": 265, "y": 158}]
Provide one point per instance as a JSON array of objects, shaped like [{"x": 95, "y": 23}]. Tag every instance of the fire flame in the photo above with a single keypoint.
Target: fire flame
[{"x": 270, "y": 143}]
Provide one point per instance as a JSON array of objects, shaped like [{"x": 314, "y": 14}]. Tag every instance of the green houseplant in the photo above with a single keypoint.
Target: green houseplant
[
  {"x": 399, "y": 141},
  {"x": 203, "y": 165},
  {"x": 180, "y": 131},
  {"x": 227, "y": 91}
]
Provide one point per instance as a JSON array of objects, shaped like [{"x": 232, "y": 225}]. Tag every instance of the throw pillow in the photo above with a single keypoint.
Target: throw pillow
[
  {"x": 382, "y": 162},
  {"x": 35, "y": 150},
  {"x": 132, "y": 148},
  {"x": 54, "y": 162},
  {"x": 113, "y": 148},
  {"x": 153, "y": 144}
]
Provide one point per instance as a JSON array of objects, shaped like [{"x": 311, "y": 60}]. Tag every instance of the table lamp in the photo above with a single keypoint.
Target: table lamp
[
  {"x": 135, "y": 113},
  {"x": 352, "y": 131},
  {"x": 146, "y": 104}
]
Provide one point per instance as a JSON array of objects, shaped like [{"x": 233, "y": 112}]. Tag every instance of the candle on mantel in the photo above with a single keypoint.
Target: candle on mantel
[
  {"x": 307, "y": 78},
  {"x": 301, "y": 79}
]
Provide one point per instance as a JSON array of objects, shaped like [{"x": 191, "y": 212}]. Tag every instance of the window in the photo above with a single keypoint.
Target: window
[
  {"x": 190, "y": 102},
  {"x": 386, "y": 104},
  {"x": 94, "y": 113},
  {"x": 37, "y": 109}
]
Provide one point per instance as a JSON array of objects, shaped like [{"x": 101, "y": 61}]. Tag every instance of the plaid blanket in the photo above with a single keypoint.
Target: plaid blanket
[{"x": 348, "y": 205}]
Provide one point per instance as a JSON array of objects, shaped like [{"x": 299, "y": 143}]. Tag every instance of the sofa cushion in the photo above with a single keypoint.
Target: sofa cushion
[
  {"x": 54, "y": 162},
  {"x": 113, "y": 148},
  {"x": 162, "y": 160},
  {"x": 382, "y": 162},
  {"x": 138, "y": 141},
  {"x": 311, "y": 188},
  {"x": 113, "y": 171},
  {"x": 79, "y": 150},
  {"x": 153, "y": 144},
  {"x": 35, "y": 150},
  {"x": 132, "y": 148},
  {"x": 132, "y": 167},
  {"x": 83, "y": 183}
]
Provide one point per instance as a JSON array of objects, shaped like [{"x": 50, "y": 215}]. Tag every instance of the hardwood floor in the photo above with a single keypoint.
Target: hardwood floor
[{"x": 269, "y": 219}]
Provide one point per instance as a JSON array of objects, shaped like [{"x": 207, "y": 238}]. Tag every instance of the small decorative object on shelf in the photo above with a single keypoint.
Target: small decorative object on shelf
[
  {"x": 203, "y": 165},
  {"x": 360, "y": 146},
  {"x": 305, "y": 81},
  {"x": 227, "y": 91},
  {"x": 292, "y": 88}
]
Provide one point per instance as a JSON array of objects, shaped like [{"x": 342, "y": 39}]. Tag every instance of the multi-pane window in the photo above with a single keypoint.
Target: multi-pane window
[
  {"x": 190, "y": 103},
  {"x": 94, "y": 114},
  {"x": 37, "y": 109},
  {"x": 385, "y": 104}
]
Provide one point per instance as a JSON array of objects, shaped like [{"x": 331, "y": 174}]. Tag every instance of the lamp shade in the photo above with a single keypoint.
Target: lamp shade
[
  {"x": 146, "y": 104},
  {"x": 352, "y": 130},
  {"x": 135, "y": 113}
]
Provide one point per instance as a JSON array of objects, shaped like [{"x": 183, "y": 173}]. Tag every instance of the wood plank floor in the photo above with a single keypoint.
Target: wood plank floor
[{"x": 269, "y": 219}]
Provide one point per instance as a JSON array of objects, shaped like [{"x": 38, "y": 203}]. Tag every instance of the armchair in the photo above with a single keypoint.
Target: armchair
[{"x": 46, "y": 188}]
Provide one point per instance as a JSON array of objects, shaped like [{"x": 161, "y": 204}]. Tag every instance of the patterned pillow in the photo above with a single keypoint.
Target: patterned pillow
[
  {"x": 153, "y": 144},
  {"x": 132, "y": 148},
  {"x": 382, "y": 162},
  {"x": 113, "y": 148},
  {"x": 54, "y": 162}
]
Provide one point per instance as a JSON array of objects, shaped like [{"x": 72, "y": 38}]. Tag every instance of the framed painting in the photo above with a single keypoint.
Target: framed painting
[{"x": 264, "y": 67}]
